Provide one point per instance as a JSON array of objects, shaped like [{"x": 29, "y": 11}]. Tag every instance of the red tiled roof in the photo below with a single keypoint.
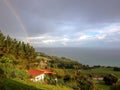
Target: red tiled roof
[
  {"x": 48, "y": 71},
  {"x": 35, "y": 72}
]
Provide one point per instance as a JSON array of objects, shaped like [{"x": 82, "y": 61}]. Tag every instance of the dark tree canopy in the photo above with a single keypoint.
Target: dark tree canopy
[
  {"x": 15, "y": 49},
  {"x": 110, "y": 79}
]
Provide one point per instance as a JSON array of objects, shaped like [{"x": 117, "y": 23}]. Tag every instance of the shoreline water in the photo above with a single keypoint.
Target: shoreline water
[{"x": 87, "y": 56}]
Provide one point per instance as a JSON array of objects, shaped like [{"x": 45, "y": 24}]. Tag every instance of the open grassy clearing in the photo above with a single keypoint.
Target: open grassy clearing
[{"x": 101, "y": 71}]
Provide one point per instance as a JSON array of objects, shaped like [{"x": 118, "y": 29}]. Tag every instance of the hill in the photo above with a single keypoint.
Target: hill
[{"x": 17, "y": 57}]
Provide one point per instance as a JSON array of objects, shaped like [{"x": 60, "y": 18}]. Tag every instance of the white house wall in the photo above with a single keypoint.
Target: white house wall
[{"x": 40, "y": 77}]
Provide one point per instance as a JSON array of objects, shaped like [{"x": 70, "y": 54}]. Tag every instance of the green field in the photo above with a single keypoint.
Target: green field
[
  {"x": 101, "y": 71},
  {"x": 101, "y": 85},
  {"x": 8, "y": 84}
]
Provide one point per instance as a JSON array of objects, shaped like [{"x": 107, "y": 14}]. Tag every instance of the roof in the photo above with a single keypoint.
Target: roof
[
  {"x": 46, "y": 71},
  {"x": 35, "y": 72}
]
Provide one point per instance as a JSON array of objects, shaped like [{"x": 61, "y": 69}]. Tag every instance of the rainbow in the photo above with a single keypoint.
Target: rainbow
[{"x": 10, "y": 6}]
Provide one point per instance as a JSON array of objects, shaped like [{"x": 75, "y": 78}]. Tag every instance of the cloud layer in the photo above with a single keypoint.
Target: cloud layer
[
  {"x": 64, "y": 23},
  {"x": 107, "y": 35}
]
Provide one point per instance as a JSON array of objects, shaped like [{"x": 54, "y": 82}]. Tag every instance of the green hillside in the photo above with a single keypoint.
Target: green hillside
[
  {"x": 17, "y": 57},
  {"x": 9, "y": 84}
]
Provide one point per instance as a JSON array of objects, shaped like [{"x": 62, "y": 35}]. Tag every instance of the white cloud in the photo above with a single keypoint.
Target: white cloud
[
  {"x": 35, "y": 38},
  {"x": 101, "y": 36},
  {"x": 84, "y": 37},
  {"x": 48, "y": 40},
  {"x": 110, "y": 33}
]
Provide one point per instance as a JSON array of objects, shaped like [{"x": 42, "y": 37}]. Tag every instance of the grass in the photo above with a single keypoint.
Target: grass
[
  {"x": 8, "y": 84},
  {"x": 101, "y": 71},
  {"x": 102, "y": 86}
]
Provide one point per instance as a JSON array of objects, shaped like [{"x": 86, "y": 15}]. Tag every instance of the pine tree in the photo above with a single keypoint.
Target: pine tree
[
  {"x": 17, "y": 49},
  {"x": 2, "y": 38}
]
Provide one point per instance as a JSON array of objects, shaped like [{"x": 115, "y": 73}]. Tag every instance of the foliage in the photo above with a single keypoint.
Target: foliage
[
  {"x": 110, "y": 79},
  {"x": 101, "y": 85},
  {"x": 67, "y": 78},
  {"x": 16, "y": 57},
  {"x": 1, "y": 72},
  {"x": 116, "y": 68},
  {"x": 57, "y": 62},
  {"x": 116, "y": 86},
  {"x": 83, "y": 81},
  {"x": 9, "y": 70},
  {"x": 5, "y": 60},
  {"x": 8, "y": 84},
  {"x": 102, "y": 71},
  {"x": 20, "y": 50}
]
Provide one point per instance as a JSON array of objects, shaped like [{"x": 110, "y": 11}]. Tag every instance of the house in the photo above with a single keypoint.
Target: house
[
  {"x": 98, "y": 78},
  {"x": 38, "y": 75}
]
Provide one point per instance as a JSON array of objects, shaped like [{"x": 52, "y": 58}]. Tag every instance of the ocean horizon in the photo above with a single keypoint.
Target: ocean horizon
[{"x": 86, "y": 56}]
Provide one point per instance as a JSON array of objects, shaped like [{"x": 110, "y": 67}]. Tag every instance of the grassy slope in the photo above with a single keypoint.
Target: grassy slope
[
  {"x": 101, "y": 85},
  {"x": 101, "y": 71},
  {"x": 8, "y": 84}
]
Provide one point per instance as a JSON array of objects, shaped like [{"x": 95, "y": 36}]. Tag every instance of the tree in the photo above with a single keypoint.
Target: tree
[
  {"x": 116, "y": 86},
  {"x": 116, "y": 69},
  {"x": 67, "y": 78},
  {"x": 8, "y": 44},
  {"x": 1, "y": 72},
  {"x": 110, "y": 79},
  {"x": 2, "y": 38}
]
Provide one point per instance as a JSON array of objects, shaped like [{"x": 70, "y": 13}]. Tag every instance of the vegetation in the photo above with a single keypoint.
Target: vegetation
[
  {"x": 16, "y": 50},
  {"x": 110, "y": 79},
  {"x": 116, "y": 86},
  {"x": 116, "y": 69},
  {"x": 11, "y": 84},
  {"x": 8, "y": 84},
  {"x": 17, "y": 57},
  {"x": 57, "y": 62},
  {"x": 101, "y": 71}
]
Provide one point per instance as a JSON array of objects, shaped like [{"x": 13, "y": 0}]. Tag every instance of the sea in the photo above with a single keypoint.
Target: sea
[{"x": 86, "y": 56}]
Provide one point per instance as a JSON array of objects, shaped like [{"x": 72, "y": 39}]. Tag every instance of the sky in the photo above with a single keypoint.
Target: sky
[{"x": 62, "y": 23}]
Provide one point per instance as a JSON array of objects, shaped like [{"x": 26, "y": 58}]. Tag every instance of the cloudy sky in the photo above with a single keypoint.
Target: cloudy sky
[{"x": 62, "y": 23}]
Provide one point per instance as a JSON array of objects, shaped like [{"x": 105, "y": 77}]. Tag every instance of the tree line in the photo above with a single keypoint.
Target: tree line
[{"x": 15, "y": 49}]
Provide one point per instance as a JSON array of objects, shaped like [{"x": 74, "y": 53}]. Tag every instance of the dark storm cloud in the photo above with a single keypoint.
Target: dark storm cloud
[
  {"x": 75, "y": 20},
  {"x": 39, "y": 14},
  {"x": 70, "y": 9},
  {"x": 8, "y": 23}
]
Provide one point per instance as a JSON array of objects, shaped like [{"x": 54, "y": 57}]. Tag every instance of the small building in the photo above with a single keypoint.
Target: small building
[
  {"x": 98, "y": 78},
  {"x": 38, "y": 75}
]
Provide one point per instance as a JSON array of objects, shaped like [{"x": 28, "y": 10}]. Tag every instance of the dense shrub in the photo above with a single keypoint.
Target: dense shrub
[
  {"x": 116, "y": 69},
  {"x": 116, "y": 86},
  {"x": 110, "y": 79}
]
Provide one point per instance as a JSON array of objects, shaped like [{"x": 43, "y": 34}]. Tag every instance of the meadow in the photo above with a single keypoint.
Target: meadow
[{"x": 101, "y": 71}]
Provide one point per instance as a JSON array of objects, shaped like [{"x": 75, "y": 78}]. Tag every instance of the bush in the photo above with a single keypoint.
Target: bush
[
  {"x": 116, "y": 86},
  {"x": 67, "y": 78},
  {"x": 116, "y": 69},
  {"x": 1, "y": 73},
  {"x": 5, "y": 60},
  {"x": 110, "y": 79},
  {"x": 8, "y": 70}
]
